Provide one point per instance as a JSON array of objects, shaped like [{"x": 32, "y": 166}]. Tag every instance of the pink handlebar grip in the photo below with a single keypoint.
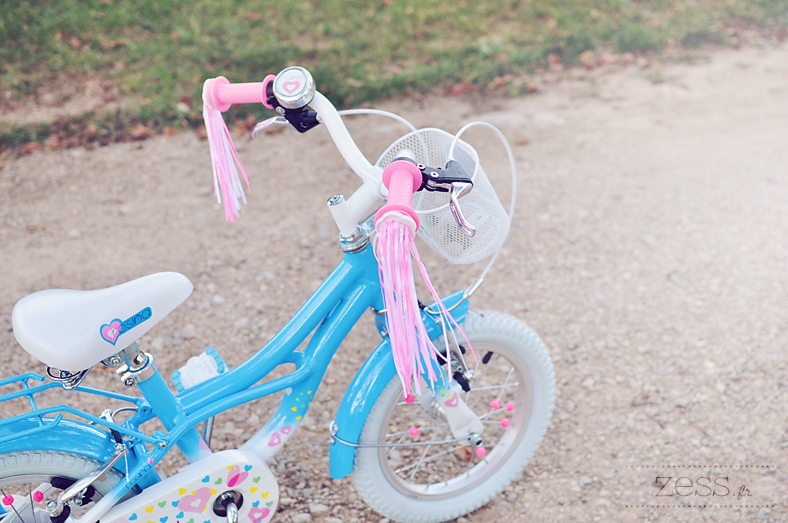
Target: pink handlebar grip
[
  {"x": 222, "y": 94},
  {"x": 402, "y": 179}
]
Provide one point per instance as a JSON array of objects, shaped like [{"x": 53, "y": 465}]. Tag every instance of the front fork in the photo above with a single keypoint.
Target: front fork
[
  {"x": 464, "y": 423},
  {"x": 445, "y": 393}
]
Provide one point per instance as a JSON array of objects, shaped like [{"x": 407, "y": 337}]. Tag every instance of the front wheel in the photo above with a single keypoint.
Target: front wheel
[{"x": 512, "y": 392}]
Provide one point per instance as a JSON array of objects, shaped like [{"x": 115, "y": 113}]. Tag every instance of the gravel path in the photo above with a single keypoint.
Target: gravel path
[{"x": 649, "y": 250}]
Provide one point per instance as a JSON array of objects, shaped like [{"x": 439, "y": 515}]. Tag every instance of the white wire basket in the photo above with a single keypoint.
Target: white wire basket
[{"x": 482, "y": 207}]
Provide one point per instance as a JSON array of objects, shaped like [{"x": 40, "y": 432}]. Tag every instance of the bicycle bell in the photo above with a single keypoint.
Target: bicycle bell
[{"x": 294, "y": 87}]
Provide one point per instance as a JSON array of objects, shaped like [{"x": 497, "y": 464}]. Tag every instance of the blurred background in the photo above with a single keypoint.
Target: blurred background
[{"x": 77, "y": 72}]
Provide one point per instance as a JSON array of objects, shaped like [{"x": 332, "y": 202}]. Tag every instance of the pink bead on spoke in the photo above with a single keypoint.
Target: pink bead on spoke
[
  {"x": 38, "y": 496},
  {"x": 509, "y": 406},
  {"x": 481, "y": 452},
  {"x": 505, "y": 423},
  {"x": 8, "y": 500},
  {"x": 495, "y": 404},
  {"x": 414, "y": 431},
  {"x": 410, "y": 398}
]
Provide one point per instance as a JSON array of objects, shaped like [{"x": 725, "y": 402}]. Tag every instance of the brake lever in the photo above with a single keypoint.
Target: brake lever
[
  {"x": 453, "y": 180},
  {"x": 262, "y": 126},
  {"x": 459, "y": 189}
]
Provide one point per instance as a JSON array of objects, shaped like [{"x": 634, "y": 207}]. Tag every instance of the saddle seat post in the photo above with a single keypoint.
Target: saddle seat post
[{"x": 168, "y": 409}]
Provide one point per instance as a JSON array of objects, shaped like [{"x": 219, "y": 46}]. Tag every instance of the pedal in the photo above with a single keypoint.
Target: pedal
[{"x": 198, "y": 369}]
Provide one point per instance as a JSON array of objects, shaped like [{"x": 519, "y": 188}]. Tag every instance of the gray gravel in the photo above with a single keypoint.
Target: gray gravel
[{"x": 649, "y": 250}]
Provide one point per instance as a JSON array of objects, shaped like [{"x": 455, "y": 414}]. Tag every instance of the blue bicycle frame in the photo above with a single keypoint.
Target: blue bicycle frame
[{"x": 329, "y": 314}]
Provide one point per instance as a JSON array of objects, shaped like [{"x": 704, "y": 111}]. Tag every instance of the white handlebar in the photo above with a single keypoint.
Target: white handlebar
[
  {"x": 328, "y": 114},
  {"x": 349, "y": 213}
]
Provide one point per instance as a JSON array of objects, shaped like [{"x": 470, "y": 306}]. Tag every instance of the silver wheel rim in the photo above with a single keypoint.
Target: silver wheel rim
[{"x": 430, "y": 472}]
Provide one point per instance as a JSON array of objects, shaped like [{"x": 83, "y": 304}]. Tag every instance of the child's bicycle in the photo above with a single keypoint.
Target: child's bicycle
[{"x": 430, "y": 456}]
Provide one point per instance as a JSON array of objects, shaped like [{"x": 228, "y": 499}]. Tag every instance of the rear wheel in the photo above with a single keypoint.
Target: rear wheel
[
  {"x": 512, "y": 392},
  {"x": 30, "y": 478}
]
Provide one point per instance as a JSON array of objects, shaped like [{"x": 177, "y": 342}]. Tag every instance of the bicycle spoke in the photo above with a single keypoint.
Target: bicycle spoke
[
  {"x": 434, "y": 421},
  {"x": 420, "y": 430},
  {"x": 434, "y": 456},
  {"x": 388, "y": 453},
  {"x": 495, "y": 387},
  {"x": 421, "y": 460},
  {"x": 487, "y": 416},
  {"x": 32, "y": 505},
  {"x": 503, "y": 387},
  {"x": 487, "y": 367}
]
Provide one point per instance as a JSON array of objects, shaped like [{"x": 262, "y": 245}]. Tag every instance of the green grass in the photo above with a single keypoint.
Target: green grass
[{"x": 159, "y": 52}]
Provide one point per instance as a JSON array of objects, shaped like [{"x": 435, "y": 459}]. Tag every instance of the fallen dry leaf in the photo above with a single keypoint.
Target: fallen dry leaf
[
  {"x": 169, "y": 131},
  {"x": 461, "y": 88},
  {"x": 522, "y": 141},
  {"x": 499, "y": 81},
  {"x": 140, "y": 132},
  {"x": 53, "y": 141},
  {"x": 607, "y": 58},
  {"x": 75, "y": 43},
  {"x": 30, "y": 147},
  {"x": 254, "y": 15},
  {"x": 531, "y": 87},
  {"x": 32, "y": 228},
  {"x": 201, "y": 133},
  {"x": 589, "y": 59},
  {"x": 91, "y": 131}
]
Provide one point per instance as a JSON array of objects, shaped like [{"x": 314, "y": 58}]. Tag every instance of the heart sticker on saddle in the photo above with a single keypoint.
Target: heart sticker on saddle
[{"x": 111, "y": 332}]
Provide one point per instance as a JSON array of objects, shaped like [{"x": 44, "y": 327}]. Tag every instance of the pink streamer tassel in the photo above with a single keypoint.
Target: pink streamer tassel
[
  {"x": 410, "y": 343},
  {"x": 224, "y": 158}
]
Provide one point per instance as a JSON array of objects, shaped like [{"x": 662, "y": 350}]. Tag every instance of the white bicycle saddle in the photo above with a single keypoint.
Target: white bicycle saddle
[{"x": 74, "y": 330}]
